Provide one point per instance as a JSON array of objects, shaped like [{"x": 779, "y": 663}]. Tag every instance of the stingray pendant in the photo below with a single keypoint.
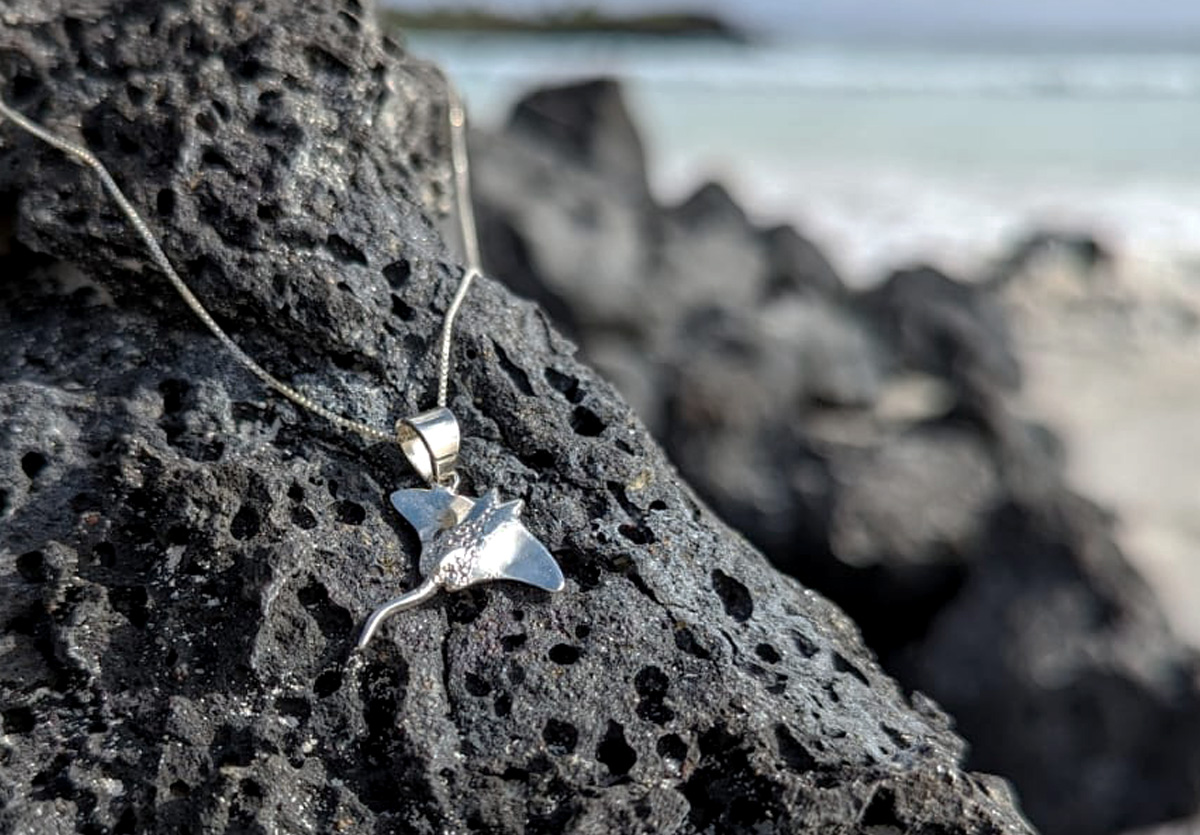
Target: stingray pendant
[{"x": 464, "y": 541}]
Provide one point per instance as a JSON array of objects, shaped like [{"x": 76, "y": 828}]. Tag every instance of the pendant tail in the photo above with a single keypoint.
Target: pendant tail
[{"x": 407, "y": 600}]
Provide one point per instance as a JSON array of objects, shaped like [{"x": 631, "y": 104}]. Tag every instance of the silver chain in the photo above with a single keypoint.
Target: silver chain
[
  {"x": 466, "y": 229},
  {"x": 470, "y": 243}
]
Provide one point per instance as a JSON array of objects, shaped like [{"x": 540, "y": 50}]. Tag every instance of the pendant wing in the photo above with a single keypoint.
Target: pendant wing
[
  {"x": 429, "y": 512},
  {"x": 510, "y": 552}
]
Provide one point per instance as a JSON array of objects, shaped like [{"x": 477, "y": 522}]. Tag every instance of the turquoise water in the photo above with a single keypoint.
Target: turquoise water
[{"x": 891, "y": 154}]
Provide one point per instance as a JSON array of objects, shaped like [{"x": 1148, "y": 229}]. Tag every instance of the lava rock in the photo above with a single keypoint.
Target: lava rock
[
  {"x": 798, "y": 265},
  {"x": 589, "y": 123},
  {"x": 866, "y": 442},
  {"x": 1089, "y": 673},
  {"x": 186, "y": 559},
  {"x": 946, "y": 328}
]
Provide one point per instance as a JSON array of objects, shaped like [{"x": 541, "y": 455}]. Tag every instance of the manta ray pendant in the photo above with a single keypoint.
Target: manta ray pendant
[{"x": 464, "y": 541}]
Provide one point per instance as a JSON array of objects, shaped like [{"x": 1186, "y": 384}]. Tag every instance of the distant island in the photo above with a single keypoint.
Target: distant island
[{"x": 661, "y": 24}]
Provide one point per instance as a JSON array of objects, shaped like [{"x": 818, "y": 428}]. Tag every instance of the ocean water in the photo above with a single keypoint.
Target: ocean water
[{"x": 891, "y": 154}]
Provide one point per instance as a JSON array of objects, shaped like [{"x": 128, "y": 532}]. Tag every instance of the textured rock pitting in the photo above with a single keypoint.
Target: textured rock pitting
[{"x": 186, "y": 559}]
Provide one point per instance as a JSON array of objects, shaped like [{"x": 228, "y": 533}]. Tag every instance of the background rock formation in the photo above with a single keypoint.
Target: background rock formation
[
  {"x": 185, "y": 559},
  {"x": 864, "y": 441}
]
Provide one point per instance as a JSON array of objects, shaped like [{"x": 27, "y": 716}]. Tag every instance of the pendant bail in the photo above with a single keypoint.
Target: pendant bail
[{"x": 430, "y": 442}]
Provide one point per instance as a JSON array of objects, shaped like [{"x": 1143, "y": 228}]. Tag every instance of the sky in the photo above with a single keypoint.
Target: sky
[{"x": 1175, "y": 19}]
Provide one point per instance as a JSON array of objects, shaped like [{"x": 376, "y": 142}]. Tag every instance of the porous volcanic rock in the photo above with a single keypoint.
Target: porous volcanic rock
[{"x": 186, "y": 559}]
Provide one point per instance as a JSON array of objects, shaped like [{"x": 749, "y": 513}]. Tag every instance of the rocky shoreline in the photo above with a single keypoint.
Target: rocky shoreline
[
  {"x": 185, "y": 559},
  {"x": 868, "y": 443}
]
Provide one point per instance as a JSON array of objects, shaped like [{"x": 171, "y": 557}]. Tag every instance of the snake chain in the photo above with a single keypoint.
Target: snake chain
[{"x": 470, "y": 244}]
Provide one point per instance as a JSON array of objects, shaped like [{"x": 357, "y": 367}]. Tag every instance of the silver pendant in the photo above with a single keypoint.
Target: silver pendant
[{"x": 464, "y": 541}]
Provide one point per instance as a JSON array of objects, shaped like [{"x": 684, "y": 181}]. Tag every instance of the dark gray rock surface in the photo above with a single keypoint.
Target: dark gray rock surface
[
  {"x": 946, "y": 328},
  {"x": 185, "y": 559},
  {"x": 865, "y": 441}
]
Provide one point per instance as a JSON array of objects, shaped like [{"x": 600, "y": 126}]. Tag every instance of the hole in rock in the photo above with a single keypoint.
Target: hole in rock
[
  {"x": 476, "y": 685},
  {"x": 127, "y": 824},
  {"x": 727, "y": 792},
  {"x": 401, "y": 310},
  {"x": 881, "y": 811},
  {"x": 133, "y": 602},
  {"x": 32, "y": 567},
  {"x": 844, "y": 666},
  {"x": 18, "y": 720},
  {"x": 614, "y": 752},
  {"x": 565, "y": 385},
  {"x": 564, "y": 654},
  {"x": 514, "y": 372},
  {"x": 560, "y": 737},
  {"x": 206, "y": 122},
  {"x": 164, "y": 203},
  {"x": 33, "y": 463},
  {"x": 651, "y": 684},
  {"x": 516, "y": 673},
  {"x": 350, "y": 513},
  {"x": 251, "y": 789},
  {"x": 294, "y": 707},
  {"x": 105, "y": 554},
  {"x": 637, "y": 534},
  {"x": 466, "y": 606},
  {"x": 23, "y": 86},
  {"x": 248, "y": 69},
  {"x": 898, "y": 739},
  {"x": 502, "y": 706},
  {"x": 327, "y": 683},
  {"x": 312, "y": 593},
  {"x": 586, "y": 423},
  {"x": 735, "y": 597},
  {"x": 246, "y": 523},
  {"x": 303, "y": 518},
  {"x": 322, "y": 61},
  {"x": 137, "y": 96},
  {"x": 512, "y": 642},
  {"x": 541, "y": 459},
  {"x": 398, "y": 273},
  {"x": 767, "y": 653},
  {"x": 173, "y": 393},
  {"x": 804, "y": 644},
  {"x": 215, "y": 159},
  {"x": 796, "y": 756},
  {"x": 672, "y": 747},
  {"x": 685, "y": 641},
  {"x": 345, "y": 251}
]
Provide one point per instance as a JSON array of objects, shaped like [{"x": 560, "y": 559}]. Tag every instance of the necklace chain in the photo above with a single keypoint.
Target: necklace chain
[
  {"x": 469, "y": 237},
  {"x": 470, "y": 244}
]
